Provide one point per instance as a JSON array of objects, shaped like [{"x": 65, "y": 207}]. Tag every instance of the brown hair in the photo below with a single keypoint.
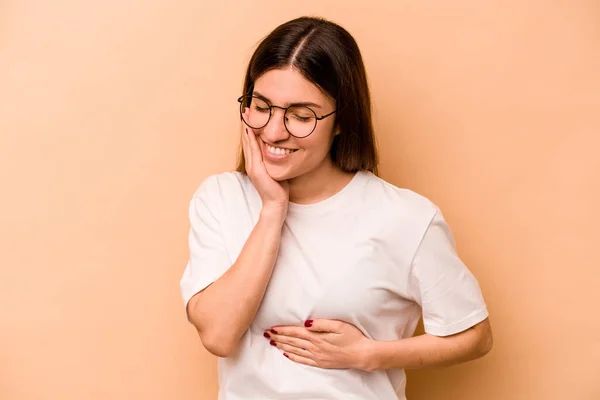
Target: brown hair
[{"x": 328, "y": 56}]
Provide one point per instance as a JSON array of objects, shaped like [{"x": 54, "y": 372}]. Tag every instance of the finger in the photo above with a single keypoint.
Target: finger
[
  {"x": 292, "y": 341},
  {"x": 292, "y": 331},
  {"x": 256, "y": 153},
  {"x": 246, "y": 149},
  {"x": 286, "y": 348},
  {"x": 301, "y": 359},
  {"x": 324, "y": 325}
]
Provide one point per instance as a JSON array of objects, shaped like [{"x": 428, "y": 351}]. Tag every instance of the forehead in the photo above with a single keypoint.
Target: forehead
[{"x": 287, "y": 86}]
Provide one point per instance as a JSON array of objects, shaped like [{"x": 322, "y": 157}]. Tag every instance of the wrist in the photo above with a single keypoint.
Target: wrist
[
  {"x": 369, "y": 359},
  {"x": 274, "y": 213}
]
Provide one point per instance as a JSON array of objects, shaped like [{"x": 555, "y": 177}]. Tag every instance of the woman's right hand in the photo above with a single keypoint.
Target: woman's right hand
[{"x": 274, "y": 195}]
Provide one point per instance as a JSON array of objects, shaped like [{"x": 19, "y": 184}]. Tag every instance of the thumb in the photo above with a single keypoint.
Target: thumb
[{"x": 323, "y": 325}]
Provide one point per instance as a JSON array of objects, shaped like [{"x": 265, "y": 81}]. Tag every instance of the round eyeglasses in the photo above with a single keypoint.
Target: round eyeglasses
[{"x": 299, "y": 121}]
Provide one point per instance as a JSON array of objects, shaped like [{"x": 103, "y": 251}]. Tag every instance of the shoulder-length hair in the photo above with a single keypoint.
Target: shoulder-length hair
[{"x": 328, "y": 56}]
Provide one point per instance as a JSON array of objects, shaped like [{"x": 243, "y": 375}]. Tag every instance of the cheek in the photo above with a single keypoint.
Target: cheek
[{"x": 318, "y": 143}]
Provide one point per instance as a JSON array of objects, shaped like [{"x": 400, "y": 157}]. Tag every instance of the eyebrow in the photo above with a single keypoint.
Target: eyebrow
[{"x": 304, "y": 104}]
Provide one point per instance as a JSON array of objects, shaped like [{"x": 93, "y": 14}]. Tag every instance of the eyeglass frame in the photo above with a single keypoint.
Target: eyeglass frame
[{"x": 271, "y": 107}]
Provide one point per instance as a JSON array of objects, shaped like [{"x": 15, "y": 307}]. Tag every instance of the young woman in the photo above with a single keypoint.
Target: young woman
[{"x": 308, "y": 273}]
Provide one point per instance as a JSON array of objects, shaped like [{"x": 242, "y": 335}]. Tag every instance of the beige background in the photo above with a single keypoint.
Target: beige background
[{"x": 113, "y": 112}]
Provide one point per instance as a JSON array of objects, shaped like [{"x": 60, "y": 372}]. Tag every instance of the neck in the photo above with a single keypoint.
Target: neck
[{"x": 319, "y": 184}]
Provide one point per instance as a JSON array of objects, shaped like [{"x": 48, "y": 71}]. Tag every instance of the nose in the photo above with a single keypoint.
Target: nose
[{"x": 275, "y": 130}]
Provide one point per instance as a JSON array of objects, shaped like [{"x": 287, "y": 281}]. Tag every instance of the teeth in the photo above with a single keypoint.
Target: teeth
[{"x": 278, "y": 150}]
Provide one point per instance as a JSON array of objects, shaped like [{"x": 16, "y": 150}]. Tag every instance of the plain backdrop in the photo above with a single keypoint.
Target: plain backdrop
[{"x": 113, "y": 112}]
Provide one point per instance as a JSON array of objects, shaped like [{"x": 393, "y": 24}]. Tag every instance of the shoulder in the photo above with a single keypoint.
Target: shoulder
[
  {"x": 398, "y": 202},
  {"x": 401, "y": 216},
  {"x": 229, "y": 195},
  {"x": 221, "y": 185}
]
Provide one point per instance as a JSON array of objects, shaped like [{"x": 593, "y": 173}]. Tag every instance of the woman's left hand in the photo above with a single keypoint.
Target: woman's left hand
[{"x": 323, "y": 343}]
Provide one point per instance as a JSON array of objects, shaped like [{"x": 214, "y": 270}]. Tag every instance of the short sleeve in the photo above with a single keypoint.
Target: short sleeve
[
  {"x": 448, "y": 293},
  {"x": 208, "y": 258}
]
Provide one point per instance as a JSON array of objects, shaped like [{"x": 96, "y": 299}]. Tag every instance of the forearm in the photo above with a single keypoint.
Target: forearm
[
  {"x": 428, "y": 351},
  {"x": 226, "y": 308}
]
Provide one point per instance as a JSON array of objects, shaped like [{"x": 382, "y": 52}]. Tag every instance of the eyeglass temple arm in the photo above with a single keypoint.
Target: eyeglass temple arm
[{"x": 326, "y": 115}]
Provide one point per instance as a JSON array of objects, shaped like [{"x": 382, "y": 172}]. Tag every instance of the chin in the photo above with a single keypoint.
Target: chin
[{"x": 279, "y": 174}]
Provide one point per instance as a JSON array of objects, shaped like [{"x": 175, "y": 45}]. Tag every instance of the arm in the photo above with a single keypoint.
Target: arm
[
  {"x": 224, "y": 310},
  {"x": 429, "y": 351},
  {"x": 337, "y": 344},
  {"x": 454, "y": 314}
]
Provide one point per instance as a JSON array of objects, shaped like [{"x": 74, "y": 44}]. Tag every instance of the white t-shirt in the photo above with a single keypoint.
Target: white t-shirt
[{"x": 373, "y": 255}]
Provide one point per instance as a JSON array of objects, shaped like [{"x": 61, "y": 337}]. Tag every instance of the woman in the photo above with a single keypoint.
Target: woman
[{"x": 308, "y": 273}]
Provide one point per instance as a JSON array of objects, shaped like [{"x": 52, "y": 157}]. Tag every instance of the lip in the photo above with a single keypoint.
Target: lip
[{"x": 273, "y": 157}]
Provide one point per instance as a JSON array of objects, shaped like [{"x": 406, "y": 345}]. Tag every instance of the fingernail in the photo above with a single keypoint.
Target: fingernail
[
  {"x": 267, "y": 335},
  {"x": 286, "y": 355},
  {"x": 274, "y": 331},
  {"x": 273, "y": 343},
  {"x": 308, "y": 323}
]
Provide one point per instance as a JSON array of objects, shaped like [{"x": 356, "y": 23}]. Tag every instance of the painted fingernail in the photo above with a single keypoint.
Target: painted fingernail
[
  {"x": 273, "y": 343},
  {"x": 286, "y": 355},
  {"x": 308, "y": 323},
  {"x": 274, "y": 331},
  {"x": 267, "y": 335}
]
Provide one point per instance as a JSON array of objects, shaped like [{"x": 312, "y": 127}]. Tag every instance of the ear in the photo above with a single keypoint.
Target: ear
[{"x": 337, "y": 129}]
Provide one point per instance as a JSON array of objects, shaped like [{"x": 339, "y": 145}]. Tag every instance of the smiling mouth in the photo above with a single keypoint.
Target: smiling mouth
[{"x": 278, "y": 151}]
